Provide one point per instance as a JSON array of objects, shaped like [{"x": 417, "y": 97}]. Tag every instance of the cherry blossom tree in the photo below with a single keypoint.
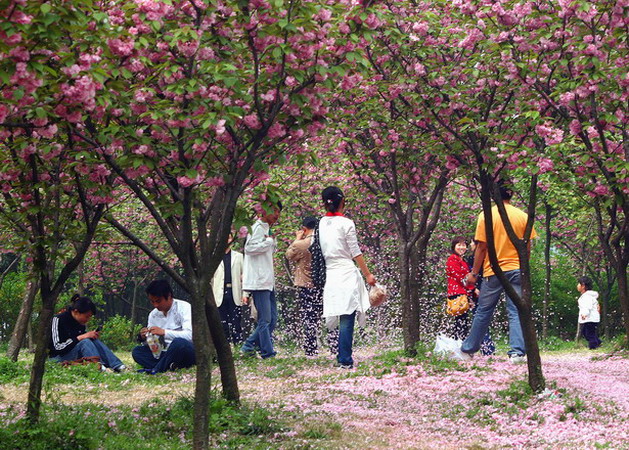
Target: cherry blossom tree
[
  {"x": 51, "y": 196},
  {"x": 195, "y": 101},
  {"x": 572, "y": 54}
]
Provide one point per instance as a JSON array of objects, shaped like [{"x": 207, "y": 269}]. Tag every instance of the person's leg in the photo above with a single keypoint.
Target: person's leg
[
  {"x": 346, "y": 339},
  {"x": 107, "y": 357},
  {"x": 516, "y": 337},
  {"x": 179, "y": 355},
  {"x": 224, "y": 312},
  {"x": 143, "y": 355},
  {"x": 487, "y": 300},
  {"x": 487, "y": 347},
  {"x": 273, "y": 303},
  {"x": 310, "y": 320},
  {"x": 597, "y": 340},
  {"x": 461, "y": 326},
  {"x": 253, "y": 340},
  {"x": 262, "y": 333},
  {"x": 236, "y": 327},
  {"x": 70, "y": 356}
]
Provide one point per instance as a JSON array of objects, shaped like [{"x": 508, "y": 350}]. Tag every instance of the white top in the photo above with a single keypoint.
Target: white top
[
  {"x": 218, "y": 281},
  {"x": 177, "y": 322},
  {"x": 344, "y": 291},
  {"x": 588, "y": 307},
  {"x": 258, "y": 269}
]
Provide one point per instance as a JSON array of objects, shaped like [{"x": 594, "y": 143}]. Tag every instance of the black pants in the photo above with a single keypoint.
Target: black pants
[
  {"x": 458, "y": 327},
  {"x": 231, "y": 316},
  {"x": 589, "y": 331}
]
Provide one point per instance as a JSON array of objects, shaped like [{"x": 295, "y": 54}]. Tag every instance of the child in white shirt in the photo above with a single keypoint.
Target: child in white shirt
[{"x": 589, "y": 312}]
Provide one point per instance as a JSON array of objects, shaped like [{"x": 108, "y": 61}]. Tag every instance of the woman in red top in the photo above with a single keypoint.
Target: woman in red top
[{"x": 456, "y": 269}]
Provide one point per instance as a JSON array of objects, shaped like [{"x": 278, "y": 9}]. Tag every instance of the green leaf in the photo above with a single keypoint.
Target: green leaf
[{"x": 45, "y": 8}]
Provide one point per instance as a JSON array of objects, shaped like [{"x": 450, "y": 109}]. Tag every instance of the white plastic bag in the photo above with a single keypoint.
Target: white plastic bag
[
  {"x": 154, "y": 344},
  {"x": 450, "y": 348}
]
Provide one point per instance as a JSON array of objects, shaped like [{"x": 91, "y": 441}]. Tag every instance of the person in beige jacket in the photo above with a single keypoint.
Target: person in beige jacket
[
  {"x": 227, "y": 288},
  {"x": 309, "y": 297}
]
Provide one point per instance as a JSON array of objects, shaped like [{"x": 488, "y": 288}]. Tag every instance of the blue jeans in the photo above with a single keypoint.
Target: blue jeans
[
  {"x": 91, "y": 347},
  {"x": 262, "y": 336},
  {"x": 490, "y": 292},
  {"x": 346, "y": 338},
  {"x": 179, "y": 355}
]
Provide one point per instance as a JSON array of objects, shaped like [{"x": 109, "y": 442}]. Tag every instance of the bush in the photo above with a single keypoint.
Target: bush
[{"x": 119, "y": 333}]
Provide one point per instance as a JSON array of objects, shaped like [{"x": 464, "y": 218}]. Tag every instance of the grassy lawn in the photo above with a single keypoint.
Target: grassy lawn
[{"x": 296, "y": 402}]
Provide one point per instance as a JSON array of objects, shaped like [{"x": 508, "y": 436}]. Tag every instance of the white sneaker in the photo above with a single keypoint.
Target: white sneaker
[
  {"x": 459, "y": 355},
  {"x": 517, "y": 359}
]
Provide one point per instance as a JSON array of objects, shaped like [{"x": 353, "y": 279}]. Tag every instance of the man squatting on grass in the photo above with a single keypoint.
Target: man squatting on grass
[{"x": 171, "y": 320}]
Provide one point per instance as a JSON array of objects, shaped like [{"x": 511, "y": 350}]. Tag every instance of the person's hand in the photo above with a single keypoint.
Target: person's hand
[
  {"x": 143, "y": 332},
  {"x": 299, "y": 234},
  {"x": 157, "y": 331},
  {"x": 245, "y": 300},
  {"x": 89, "y": 335},
  {"x": 371, "y": 280},
  {"x": 470, "y": 279}
]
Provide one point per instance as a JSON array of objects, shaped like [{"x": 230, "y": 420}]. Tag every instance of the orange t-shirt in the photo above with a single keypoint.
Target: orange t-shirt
[{"x": 505, "y": 250}]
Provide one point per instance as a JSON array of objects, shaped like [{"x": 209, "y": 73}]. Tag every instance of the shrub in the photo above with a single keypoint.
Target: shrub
[{"x": 119, "y": 333}]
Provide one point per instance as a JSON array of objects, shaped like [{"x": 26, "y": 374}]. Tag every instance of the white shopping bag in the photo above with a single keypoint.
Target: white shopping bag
[{"x": 450, "y": 348}]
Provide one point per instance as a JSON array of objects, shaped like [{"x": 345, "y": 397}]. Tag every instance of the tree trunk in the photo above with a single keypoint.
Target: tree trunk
[
  {"x": 224, "y": 354},
  {"x": 41, "y": 353},
  {"x": 23, "y": 320},
  {"x": 623, "y": 296},
  {"x": 203, "y": 387},
  {"x": 410, "y": 326},
  {"x": 548, "y": 271},
  {"x": 578, "y": 333},
  {"x": 534, "y": 361}
]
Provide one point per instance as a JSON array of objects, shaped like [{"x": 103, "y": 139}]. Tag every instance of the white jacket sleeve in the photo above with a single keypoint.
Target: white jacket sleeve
[{"x": 258, "y": 242}]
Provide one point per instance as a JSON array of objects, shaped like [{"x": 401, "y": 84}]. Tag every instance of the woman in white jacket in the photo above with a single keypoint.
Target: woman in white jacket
[
  {"x": 344, "y": 295},
  {"x": 589, "y": 312}
]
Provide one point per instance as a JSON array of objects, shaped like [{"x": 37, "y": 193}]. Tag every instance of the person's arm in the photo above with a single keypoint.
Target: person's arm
[
  {"x": 60, "y": 340},
  {"x": 479, "y": 258},
  {"x": 362, "y": 265},
  {"x": 258, "y": 242},
  {"x": 295, "y": 250},
  {"x": 583, "y": 312}
]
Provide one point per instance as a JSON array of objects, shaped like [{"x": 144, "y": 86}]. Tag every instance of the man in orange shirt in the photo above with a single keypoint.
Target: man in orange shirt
[{"x": 491, "y": 289}]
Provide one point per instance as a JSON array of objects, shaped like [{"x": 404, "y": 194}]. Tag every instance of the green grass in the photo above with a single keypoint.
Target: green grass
[{"x": 154, "y": 424}]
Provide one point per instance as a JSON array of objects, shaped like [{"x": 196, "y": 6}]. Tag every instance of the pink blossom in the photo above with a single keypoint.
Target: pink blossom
[
  {"x": 121, "y": 48},
  {"x": 545, "y": 165},
  {"x": 252, "y": 121},
  {"x": 601, "y": 189}
]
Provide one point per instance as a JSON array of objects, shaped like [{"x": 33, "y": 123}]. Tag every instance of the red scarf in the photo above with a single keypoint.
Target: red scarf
[{"x": 330, "y": 214}]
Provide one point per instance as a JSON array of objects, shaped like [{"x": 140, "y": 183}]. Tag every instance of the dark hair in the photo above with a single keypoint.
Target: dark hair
[
  {"x": 505, "y": 188},
  {"x": 159, "y": 288},
  {"x": 332, "y": 198},
  {"x": 81, "y": 304},
  {"x": 309, "y": 222},
  {"x": 277, "y": 204},
  {"x": 457, "y": 240},
  {"x": 585, "y": 282}
]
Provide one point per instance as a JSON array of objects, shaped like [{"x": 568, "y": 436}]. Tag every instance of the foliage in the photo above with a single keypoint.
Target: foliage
[
  {"x": 11, "y": 294},
  {"x": 119, "y": 333}
]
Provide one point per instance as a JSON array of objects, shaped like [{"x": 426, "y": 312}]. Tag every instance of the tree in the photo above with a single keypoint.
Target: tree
[
  {"x": 51, "y": 197},
  {"x": 199, "y": 100}
]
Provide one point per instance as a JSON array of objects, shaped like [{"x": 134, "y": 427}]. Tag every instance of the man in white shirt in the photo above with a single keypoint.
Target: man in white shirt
[
  {"x": 171, "y": 321},
  {"x": 259, "y": 280}
]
